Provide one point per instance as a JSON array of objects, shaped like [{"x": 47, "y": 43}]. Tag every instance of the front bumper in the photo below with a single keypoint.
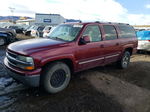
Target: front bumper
[
  {"x": 27, "y": 78},
  {"x": 32, "y": 81},
  {"x": 142, "y": 45}
]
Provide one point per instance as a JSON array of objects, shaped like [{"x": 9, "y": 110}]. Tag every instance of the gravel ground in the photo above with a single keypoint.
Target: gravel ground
[{"x": 102, "y": 89}]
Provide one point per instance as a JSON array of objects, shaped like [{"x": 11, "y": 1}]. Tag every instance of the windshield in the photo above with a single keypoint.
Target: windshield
[{"x": 66, "y": 32}]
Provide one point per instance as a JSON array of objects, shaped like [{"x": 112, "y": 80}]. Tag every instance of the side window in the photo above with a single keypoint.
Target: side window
[
  {"x": 93, "y": 32},
  {"x": 110, "y": 32},
  {"x": 126, "y": 31}
]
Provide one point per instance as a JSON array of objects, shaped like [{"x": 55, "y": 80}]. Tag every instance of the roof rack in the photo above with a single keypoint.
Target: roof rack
[
  {"x": 119, "y": 23},
  {"x": 112, "y": 23}
]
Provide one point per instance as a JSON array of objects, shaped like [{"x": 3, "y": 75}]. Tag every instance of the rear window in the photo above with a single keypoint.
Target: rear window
[
  {"x": 126, "y": 31},
  {"x": 110, "y": 32}
]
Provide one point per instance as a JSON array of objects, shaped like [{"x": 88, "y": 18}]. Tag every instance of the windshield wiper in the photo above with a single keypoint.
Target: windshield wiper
[{"x": 57, "y": 38}]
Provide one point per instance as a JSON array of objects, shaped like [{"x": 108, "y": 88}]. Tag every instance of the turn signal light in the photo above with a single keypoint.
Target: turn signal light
[{"x": 29, "y": 68}]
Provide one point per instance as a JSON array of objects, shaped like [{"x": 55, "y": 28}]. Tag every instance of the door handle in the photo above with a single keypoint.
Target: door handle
[
  {"x": 102, "y": 46},
  {"x": 117, "y": 44}
]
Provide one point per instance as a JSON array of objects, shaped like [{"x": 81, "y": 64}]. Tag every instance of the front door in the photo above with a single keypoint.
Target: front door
[{"x": 90, "y": 54}]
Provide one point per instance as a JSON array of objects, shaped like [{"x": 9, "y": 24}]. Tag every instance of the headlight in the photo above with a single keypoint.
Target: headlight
[
  {"x": 25, "y": 62},
  {"x": 25, "y": 59}
]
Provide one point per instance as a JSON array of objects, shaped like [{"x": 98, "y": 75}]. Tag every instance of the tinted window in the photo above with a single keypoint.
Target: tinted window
[
  {"x": 40, "y": 28},
  {"x": 110, "y": 32},
  {"x": 93, "y": 32},
  {"x": 126, "y": 31}
]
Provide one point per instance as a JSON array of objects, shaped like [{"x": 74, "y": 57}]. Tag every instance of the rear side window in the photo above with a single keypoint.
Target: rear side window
[
  {"x": 110, "y": 32},
  {"x": 126, "y": 31}
]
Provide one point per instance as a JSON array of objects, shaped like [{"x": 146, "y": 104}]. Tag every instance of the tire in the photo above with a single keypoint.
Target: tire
[
  {"x": 2, "y": 41},
  {"x": 125, "y": 60},
  {"x": 11, "y": 38},
  {"x": 55, "y": 77}
]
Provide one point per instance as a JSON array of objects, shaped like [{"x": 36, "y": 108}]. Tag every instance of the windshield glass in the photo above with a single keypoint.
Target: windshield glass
[{"x": 66, "y": 32}]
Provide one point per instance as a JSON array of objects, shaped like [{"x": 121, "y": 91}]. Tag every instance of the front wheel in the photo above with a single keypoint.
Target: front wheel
[
  {"x": 56, "y": 77},
  {"x": 125, "y": 60}
]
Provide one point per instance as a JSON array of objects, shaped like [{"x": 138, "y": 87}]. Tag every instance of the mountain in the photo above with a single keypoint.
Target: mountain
[{"x": 13, "y": 17}]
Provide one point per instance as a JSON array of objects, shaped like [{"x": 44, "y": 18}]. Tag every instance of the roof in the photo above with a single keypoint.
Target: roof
[
  {"x": 48, "y": 14},
  {"x": 83, "y": 23}
]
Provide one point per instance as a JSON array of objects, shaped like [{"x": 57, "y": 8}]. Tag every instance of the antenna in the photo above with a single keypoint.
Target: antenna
[{"x": 12, "y": 11}]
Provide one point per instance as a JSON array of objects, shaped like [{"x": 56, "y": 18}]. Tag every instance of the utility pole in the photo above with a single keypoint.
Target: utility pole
[{"x": 12, "y": 12}]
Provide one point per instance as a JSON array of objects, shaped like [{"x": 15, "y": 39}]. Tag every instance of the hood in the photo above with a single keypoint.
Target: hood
[{"x": 29, "y": 46}]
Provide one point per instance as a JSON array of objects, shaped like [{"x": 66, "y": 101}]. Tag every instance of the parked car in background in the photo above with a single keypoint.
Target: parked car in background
[
  {"x": 37, "y": 31},
  {"x": 143, "y": 40},
  {"x": 26, "y": 27},
  {"x": 70, "y": 48},
  {"x": 46, "y": 30},
  {"x": 27, "y": 31},
  {"x": 8, "y": 30},
  {"x": 6, "y": 38},
  {"x": 18, "y": 29}
]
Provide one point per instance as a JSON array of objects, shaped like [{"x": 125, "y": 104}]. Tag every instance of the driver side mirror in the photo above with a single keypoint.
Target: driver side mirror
[{"x": 85, "y": 40}]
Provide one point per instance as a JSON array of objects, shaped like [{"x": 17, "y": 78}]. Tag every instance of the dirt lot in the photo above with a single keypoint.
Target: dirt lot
[{"x": 102, "y": 89}]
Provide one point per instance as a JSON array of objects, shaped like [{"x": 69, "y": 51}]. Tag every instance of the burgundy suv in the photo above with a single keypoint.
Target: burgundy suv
[{"x": 69, "y": 48}]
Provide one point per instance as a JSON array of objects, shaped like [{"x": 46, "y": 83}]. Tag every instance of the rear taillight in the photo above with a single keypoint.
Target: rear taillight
[
  {"x": 33, "y": 31},
  {"x": 149, "y": 40}
]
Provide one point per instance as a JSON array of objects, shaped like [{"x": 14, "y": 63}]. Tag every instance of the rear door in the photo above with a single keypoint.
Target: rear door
[
  {"x": 112, "y": 48},
  {"x": 90, "y": 54}
]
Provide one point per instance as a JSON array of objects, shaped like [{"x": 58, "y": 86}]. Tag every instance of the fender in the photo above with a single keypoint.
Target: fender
[
  {"x": 126, "y": 47},
  {"x": 6, "y": 35},
  {"x": 60, "y": 57}
]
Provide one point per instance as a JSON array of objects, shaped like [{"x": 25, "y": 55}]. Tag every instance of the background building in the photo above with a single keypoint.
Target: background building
[
  {"x": 26, "y": 22},
  {"x": 146, "y": 27},
  {"x": 49, "y": 19}
]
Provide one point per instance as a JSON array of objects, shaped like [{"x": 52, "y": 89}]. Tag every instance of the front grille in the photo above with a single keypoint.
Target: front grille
[
  {"x": 13, "y": 61},
  {"x": 11, "y": 58},
  {"x": 12, "y": 54}
]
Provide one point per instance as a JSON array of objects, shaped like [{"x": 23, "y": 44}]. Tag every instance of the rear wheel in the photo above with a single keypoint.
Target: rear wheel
[
  {"x": 125, "y": 60},
  {"x": 2, "y": 41},
  {"x": 56, "y": 77}
]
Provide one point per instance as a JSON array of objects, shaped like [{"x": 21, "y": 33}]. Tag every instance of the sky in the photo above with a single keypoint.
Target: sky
[{"x": 135, "y": 12}]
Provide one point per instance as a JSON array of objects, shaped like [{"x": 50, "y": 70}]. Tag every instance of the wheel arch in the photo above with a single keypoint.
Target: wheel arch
[
  {"x": 67, "y": 61},
  {"x": 129, "y": 49},
  {"x": 4, "y": 35}
]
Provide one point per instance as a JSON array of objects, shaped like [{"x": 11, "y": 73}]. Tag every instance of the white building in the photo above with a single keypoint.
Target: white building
[
  {"x": 26, "y": 22},
  {"x": 49, "y": 19}
]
